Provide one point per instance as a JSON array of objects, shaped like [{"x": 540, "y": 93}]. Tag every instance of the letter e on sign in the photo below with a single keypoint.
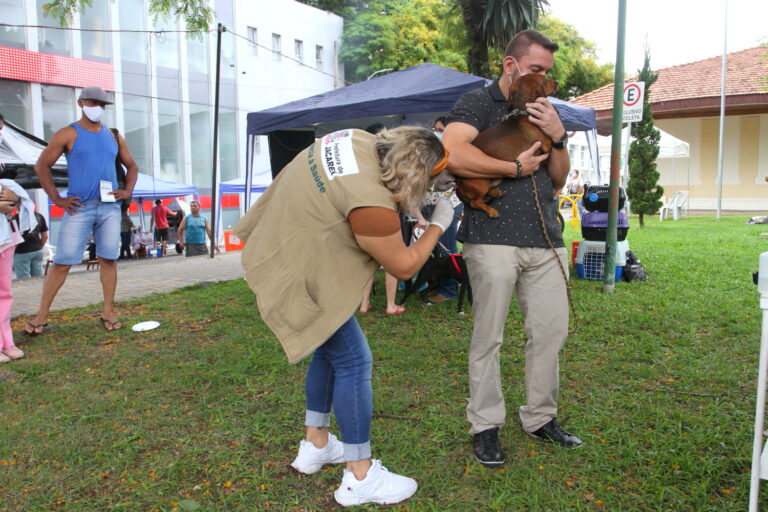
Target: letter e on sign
[{"x": 633, "y": 102}]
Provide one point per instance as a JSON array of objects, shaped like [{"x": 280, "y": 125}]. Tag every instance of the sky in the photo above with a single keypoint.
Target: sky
[{"x": 677, "y": 31}]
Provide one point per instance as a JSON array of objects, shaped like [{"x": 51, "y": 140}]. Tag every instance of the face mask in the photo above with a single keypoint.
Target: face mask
[
  {"x": 520, "y": 73},
  {"x": 439, "y": 135},
  {"x": 93, "y": 113}
]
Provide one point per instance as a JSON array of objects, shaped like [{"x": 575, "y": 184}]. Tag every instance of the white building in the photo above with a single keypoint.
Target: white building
[{"x": 273, "y": 51}]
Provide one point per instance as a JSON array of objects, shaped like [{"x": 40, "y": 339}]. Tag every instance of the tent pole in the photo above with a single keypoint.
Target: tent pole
[{"x": 214, "y": 195}]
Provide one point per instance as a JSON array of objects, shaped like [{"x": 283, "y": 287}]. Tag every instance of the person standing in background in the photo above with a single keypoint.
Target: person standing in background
[
  {"x": 28, "y": 259},
  {"x": 92, "y": 205},
  {"x": 126, "y": 229},
  {"x": 160, "y": 221},
  {"x": 192, "y": 232}
]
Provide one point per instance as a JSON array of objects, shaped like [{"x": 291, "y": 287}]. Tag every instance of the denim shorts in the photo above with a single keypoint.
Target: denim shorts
[{"x": 97, "y": 218}]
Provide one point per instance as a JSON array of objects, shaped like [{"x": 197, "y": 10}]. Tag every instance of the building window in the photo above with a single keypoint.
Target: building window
[
  {"x": 96, "y": 45},
  {"x": 53, "y": 39},
  {"x": 133, "y": 45},
  {"x": 200, "y": 141},
  {"x": 137, "y": 133},
  {"x": 171, "y": 141},
  {"x": 228, "y": 144},
  {"x": 319, "y": 57},
  {"x": 276, "y": 43},
  {"x": 58, "y": 108},
  {"x": 14, "y": 98},
  {"x": 13, "y": 14},
  {"x": 299, "y": 47},
  {"x": 253, "y": 40}
]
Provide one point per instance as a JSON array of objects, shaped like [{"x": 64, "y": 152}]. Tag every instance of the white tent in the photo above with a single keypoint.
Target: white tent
[{"x": 669, "y": 147}]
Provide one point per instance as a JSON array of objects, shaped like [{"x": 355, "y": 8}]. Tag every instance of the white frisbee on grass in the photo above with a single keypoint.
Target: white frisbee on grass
[{"x": 146, "y": 326}]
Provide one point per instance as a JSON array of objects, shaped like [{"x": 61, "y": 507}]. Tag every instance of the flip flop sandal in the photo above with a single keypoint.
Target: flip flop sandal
[
  {"x": 109, "y": 326},
  {"x": 35, "y": 328}
]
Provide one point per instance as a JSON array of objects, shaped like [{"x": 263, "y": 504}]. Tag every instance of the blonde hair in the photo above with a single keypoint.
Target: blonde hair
[{"x": 407, "y": 155}]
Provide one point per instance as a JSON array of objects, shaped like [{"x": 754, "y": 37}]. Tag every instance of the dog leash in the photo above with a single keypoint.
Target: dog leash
[{"x": 557, "y": 258}]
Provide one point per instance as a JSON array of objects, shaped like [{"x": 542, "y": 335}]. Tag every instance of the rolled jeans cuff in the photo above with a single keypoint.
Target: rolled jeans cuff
[
  {"x": 317, "y": 419},
  {"x": 354, "y": 452}
]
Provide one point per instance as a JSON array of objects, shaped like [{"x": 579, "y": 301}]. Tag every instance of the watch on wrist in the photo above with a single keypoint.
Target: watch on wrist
[{"x": 560, "y": 144}]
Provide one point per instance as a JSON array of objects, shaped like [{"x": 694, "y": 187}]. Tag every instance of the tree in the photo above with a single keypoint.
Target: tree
[
  {"x": 643, "y": 189},
  {"x": 196, "y": 13},
  {"x": 396, "y": 34},
  {"x": 492, "y": 23}
]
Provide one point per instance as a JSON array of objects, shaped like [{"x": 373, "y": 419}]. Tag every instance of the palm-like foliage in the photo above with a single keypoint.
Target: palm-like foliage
[{"x": 492, "y": 23}]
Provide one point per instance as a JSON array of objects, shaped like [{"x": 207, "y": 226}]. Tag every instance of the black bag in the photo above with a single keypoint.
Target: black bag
[
  {"x": 595, "y": 198},
  {"x": 633, "y": 269},
  {"x": 120, "y": 170}
]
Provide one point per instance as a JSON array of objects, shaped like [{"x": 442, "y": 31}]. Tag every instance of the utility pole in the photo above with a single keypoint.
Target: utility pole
[
  {"x": 609, "y": 272},
  {"x": 214, "y": 196}
]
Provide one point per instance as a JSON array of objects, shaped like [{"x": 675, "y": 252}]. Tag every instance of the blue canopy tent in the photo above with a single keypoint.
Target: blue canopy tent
[
  {"x": 149, "y": 188},
  {"x": 415, "y": 95}
]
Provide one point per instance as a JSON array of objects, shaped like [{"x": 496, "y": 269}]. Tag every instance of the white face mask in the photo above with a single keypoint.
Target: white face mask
[
  {"x": 520, "y": 73},
  {"x": 439, "y": 135},
  {"x": 93, "y": 113}
]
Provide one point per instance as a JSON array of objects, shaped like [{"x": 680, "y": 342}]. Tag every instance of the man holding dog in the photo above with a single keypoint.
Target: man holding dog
[{"x": 510, "y": 254}]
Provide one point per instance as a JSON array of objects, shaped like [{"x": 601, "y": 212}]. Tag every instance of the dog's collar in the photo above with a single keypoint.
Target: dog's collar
[{"x": 515, "y": 113}]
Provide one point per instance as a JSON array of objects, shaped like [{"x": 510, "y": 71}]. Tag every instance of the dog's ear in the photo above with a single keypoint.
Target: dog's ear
[{"x": 551, "y": 86}]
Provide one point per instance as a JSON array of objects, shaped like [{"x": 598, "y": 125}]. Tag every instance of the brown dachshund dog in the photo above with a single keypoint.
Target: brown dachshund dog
[{"x": 506, "y": 140}]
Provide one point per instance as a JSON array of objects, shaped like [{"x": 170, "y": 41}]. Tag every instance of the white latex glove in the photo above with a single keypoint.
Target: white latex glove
[{"x": 443, "y": 214}]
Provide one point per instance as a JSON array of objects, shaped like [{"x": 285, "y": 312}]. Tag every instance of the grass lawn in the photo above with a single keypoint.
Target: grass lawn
[{"x": 205, "y": 414}]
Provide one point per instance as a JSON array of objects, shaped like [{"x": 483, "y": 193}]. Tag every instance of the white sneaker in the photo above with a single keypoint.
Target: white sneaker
[
  {"x": 311, "y": 458},
  {"x": 379, "y": 486}
]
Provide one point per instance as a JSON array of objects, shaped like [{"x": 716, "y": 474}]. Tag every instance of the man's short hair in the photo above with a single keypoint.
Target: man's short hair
[
  {"x": 522, "y": 41},
  {"x": 157, "y": 201},
  {"x": 440, "y": 119}
]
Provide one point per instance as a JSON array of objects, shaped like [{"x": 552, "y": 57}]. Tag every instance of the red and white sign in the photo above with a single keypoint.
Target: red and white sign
[
  {"x": 633, "y": 101},
  {"x": 44, "y": 68}
]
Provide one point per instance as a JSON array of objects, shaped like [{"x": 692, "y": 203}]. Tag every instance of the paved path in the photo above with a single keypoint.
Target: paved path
[{"x": 135, "y": 278}]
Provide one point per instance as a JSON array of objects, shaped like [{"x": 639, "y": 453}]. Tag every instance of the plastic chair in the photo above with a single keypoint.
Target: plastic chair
[
  {"x": 677, "y": 206},
  {"x": 572, "y": 199}
]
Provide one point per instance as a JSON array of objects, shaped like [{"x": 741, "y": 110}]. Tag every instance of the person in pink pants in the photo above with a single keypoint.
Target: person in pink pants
[{"x": 11, "y": 195}]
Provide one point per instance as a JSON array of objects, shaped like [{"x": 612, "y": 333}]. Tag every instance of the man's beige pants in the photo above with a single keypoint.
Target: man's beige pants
[{"x": 496, "y": 272}]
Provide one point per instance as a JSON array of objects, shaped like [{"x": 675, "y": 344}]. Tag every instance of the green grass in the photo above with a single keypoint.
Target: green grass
[{"x": 658, "y": 380}]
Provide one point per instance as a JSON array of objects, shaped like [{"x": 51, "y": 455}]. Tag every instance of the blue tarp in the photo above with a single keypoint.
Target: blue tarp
[
  {"x": 148, "y": 188},
  {"x": 423, "y": 88},
  {"x": 237, "y": 185}
]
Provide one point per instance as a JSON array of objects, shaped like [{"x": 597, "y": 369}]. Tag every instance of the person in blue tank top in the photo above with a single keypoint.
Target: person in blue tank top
[
  {"x": 192, "y": 232},
  {"x": 91, "y": 204}
]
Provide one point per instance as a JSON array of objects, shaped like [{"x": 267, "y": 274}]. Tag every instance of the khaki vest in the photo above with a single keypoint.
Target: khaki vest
[{"x": 300, "y": 256}]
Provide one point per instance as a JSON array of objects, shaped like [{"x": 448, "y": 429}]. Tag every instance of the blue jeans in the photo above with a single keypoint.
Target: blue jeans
[
  {"x": 28, "y": 264},
  {"x": 97, "y": 218},
  {"x": 339, "y": 376}
]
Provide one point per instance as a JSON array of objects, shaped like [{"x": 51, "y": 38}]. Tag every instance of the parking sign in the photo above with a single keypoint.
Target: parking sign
[{"x": 633, "y": 101}]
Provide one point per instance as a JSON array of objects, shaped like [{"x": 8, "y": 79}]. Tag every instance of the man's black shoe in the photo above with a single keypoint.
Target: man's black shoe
[
  {"x": 555, "y": 433},
  {"x": 487, "y": 449}
]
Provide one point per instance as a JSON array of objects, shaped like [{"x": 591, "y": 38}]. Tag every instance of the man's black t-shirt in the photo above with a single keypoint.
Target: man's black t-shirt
[
  {"x": 32, "y": 238},
  {"x": 519, "y": 223}
]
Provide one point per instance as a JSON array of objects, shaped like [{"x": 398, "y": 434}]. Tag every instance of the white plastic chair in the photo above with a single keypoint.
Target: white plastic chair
[{"x": 677, "y": 206}]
